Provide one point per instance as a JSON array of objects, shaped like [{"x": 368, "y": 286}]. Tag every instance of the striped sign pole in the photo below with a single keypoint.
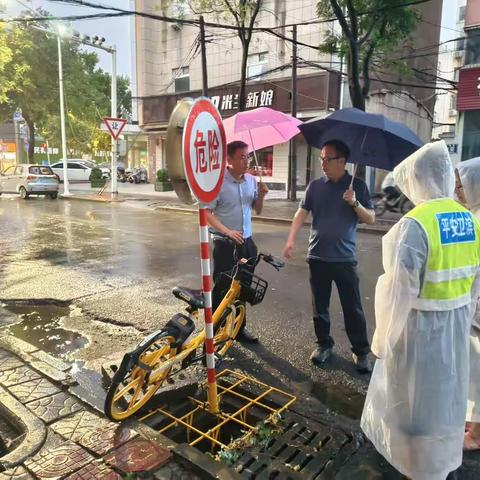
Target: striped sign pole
[
  {"x": 207, "y": 295},
  {"x": 204, "y": 154}
]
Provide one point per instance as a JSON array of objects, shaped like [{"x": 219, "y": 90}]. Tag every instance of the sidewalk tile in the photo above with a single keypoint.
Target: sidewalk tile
[
  {"x": 102, "y": 440},
  {"x": 18, "y": 375},
  {"x": 17, "y": 473},
  {"x": 95, "y": 471},
  {"x": 54, "y": 407},
  {"x": 59, "y": 462},
  {"x": 138, "y": 455},
  {"x": 81, "y": 424},
  {"x": 9, "y": 362},
  {"x": 33, "y": 390}
]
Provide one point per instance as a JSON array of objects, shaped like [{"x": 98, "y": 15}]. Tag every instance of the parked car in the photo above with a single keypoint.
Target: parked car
[
  {"x": 105, "y": 170},
  {"x": 28, "y": 179},
  {"x": 77, "y": 171}
]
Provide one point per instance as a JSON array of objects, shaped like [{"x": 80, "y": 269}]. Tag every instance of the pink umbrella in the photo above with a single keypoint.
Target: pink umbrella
[{"x": 260, "y": 128}]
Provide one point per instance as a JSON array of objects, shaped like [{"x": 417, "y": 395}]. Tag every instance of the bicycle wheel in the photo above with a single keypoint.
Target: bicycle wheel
[
  {"x": 406, "y": 206},
  {"x": 379, "y": 205},
  {"x": 130, "y": 388},
  {"x": 224, "y": 339}
]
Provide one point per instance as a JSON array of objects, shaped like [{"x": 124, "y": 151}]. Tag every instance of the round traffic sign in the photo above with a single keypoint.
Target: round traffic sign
[{"x": 204, "y": 150}]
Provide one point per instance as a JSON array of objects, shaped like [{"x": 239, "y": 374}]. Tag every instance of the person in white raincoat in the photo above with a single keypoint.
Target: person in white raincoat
[
  {"x": 414, "y": 411},
  {"x": 468, "y": 193}
]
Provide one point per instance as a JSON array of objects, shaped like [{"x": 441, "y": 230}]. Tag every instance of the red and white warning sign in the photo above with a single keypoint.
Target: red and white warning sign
[
  {"x": 115, "y": 126},
  {"x": 204, "y": 149}
]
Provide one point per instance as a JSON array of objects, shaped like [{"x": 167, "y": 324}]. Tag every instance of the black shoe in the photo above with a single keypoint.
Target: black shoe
[
  {"x": 320, "y": 355},
  {"x": 362, "y": 363},
  {"x": 245, "y": 336}
]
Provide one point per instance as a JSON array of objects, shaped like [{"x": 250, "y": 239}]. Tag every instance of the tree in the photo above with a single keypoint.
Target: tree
[
  {"x": 370, "y": 31},
  {"x": 244, "y": 13},
  {"x": 30, "y": 83}
]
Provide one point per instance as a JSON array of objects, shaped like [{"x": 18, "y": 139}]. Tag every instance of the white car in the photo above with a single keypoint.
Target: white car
[
  {"x": 78, "y": 170},
  {"x": 29, "y": 179},
  {"x": 90, "y": 164}
]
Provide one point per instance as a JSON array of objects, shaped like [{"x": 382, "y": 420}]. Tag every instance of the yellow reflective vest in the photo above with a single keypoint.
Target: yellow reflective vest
[{"x": 453, "y": 236}]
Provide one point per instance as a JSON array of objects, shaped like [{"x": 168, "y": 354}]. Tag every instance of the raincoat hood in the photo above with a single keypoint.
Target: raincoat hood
[
  {"x": 427, "y": 174},
  {"x": 469, "y": 172}
]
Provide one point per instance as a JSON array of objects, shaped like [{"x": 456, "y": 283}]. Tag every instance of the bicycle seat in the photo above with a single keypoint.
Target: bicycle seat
[{"x": 193, "y": 297}]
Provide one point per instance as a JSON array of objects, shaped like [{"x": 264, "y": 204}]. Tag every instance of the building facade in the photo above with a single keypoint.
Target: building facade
[
  {"x": 450, "y": 60},
  {"x": 468, "y": 101},
  {"x": 168, "y": 68}
]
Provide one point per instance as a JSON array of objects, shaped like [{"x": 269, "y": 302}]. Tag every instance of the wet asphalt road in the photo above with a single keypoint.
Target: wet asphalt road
[{"x": 120, "y": 263}]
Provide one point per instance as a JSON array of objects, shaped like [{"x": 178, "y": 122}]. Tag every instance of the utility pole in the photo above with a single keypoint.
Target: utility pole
[
  {"x": 204, "y": 58},
  {"x": 113, "y": 173},
  {"x": 66, "y": 190},
  {"x": 292, "y": 152}
]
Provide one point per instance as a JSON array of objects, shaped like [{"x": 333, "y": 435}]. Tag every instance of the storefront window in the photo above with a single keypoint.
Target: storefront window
[
  {"x": 265, "y": 162},
  {"x": 471, "y": 135},
  {"x": 472, "y": 55}
]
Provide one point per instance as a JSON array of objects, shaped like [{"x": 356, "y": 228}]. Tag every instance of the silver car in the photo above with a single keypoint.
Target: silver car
[{"x": 29, "y": 180}]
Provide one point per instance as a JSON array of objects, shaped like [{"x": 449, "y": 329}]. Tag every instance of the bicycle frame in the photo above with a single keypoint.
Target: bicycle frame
[{"x": 198, "y": 340}]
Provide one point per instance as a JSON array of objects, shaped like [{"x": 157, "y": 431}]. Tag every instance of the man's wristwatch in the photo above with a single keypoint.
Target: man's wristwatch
[{"x": 356, "y": 204}]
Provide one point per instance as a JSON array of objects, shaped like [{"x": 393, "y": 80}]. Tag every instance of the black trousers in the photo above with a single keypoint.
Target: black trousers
[
  {"x": 223, "y": 261},
  {"x": 345, "y": 276}
]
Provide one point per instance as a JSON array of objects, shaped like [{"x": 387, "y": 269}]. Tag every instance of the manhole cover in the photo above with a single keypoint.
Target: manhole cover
[{"x": 303, "y": 451}]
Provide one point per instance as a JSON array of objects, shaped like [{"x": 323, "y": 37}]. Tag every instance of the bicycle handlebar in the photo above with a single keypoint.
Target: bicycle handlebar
[{"x": 267, "y": 257}]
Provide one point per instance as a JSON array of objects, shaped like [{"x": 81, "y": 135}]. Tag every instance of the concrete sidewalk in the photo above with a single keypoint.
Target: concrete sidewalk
[{"x": 276, "y": 209}]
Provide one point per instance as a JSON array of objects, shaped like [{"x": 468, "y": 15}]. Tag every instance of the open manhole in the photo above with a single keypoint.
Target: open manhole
[{"x": 255, "y": 434}]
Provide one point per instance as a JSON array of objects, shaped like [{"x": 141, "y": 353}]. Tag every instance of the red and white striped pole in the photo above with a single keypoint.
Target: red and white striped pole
[{"x": 207, "y": 295}]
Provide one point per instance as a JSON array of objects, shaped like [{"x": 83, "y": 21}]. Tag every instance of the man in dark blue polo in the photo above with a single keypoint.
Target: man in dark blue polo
[
  {"x": 336, "y": 205},
  {"x": 231, "y": 215}
]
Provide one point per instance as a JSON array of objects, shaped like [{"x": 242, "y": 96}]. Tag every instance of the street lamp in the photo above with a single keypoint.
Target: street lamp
[
  {"x": 96, "y": 42},
  {"x": 66, "y": 185}
]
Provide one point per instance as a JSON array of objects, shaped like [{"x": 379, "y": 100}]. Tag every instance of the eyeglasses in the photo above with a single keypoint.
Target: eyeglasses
[{"x": 329, "y": 159}]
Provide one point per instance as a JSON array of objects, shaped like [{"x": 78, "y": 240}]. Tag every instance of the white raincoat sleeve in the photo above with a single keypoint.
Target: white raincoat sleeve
[
  {"x": 405, "y": 251},
  {"x": 473, "y": 405}
]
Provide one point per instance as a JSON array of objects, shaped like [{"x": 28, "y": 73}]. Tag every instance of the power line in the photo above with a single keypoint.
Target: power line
[{"x": 90, "y": 4}]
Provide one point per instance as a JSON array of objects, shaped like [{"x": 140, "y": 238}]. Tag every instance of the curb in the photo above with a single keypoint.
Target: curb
[
  {"x": 36, "y": 432},
  {"x": 92, "y": 199},
  {"x": 277, "y": 220},
  {"x": 259, "y": 219}
]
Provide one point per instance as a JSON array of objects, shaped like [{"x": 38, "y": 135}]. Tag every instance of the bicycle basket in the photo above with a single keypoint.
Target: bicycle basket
[{"x": 253, "y": 288}]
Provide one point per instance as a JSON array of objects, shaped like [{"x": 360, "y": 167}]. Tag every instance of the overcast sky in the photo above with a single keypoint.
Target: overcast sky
[{"x": 115, "y": 30}]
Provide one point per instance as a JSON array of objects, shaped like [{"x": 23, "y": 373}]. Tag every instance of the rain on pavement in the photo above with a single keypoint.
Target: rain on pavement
[{"x": 113, "y": 267}]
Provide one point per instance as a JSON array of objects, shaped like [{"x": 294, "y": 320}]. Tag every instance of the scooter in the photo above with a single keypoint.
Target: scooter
[{"x": 398, "y": 204}]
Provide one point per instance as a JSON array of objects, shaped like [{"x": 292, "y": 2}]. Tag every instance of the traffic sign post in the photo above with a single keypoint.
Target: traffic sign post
[
  {"x": 204, "y": 152},
  {"x": 115, "y": 127}
]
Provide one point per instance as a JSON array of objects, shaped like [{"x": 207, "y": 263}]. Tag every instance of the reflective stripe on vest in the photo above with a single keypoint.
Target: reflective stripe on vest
[{"x": 453, "y": 236}]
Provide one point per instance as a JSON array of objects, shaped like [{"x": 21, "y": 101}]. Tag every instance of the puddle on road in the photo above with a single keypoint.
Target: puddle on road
[
  {"x": 41, "y": 326},
  {"x": 339, "y": 399}
]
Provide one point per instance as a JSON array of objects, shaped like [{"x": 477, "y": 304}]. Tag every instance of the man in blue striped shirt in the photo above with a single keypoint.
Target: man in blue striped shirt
[{"x": 231, "y": 215}]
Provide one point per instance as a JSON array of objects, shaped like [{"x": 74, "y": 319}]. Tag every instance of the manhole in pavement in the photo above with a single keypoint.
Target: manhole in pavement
[
  {"x": 41, "y": 326},
  {"x": 250, "y": 436},
  {"x": 304, "y": 450}
]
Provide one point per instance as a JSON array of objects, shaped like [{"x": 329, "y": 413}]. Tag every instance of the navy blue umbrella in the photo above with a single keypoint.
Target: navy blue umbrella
[{"x": 373, "y": 139}]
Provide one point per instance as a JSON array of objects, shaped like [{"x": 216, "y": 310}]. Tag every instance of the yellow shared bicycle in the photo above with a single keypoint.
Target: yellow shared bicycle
[{"x": 173, "y": 348}]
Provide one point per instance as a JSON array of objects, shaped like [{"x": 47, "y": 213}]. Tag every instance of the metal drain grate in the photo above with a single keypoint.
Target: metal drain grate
[{"x": 304, "y": 451}]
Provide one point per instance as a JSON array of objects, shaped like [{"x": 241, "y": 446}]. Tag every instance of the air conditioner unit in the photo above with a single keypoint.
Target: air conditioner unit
[{"x": 452, "y": 112}]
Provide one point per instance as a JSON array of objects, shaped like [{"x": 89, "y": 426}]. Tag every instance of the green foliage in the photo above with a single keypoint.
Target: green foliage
[
  {"x": 162, "y": 176},
  {"x": 95, "y": 174},
  {"x": 371, "y": 31},
  {"x": 260, "y": 437},
  {"x": 30, "y": 82}
]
